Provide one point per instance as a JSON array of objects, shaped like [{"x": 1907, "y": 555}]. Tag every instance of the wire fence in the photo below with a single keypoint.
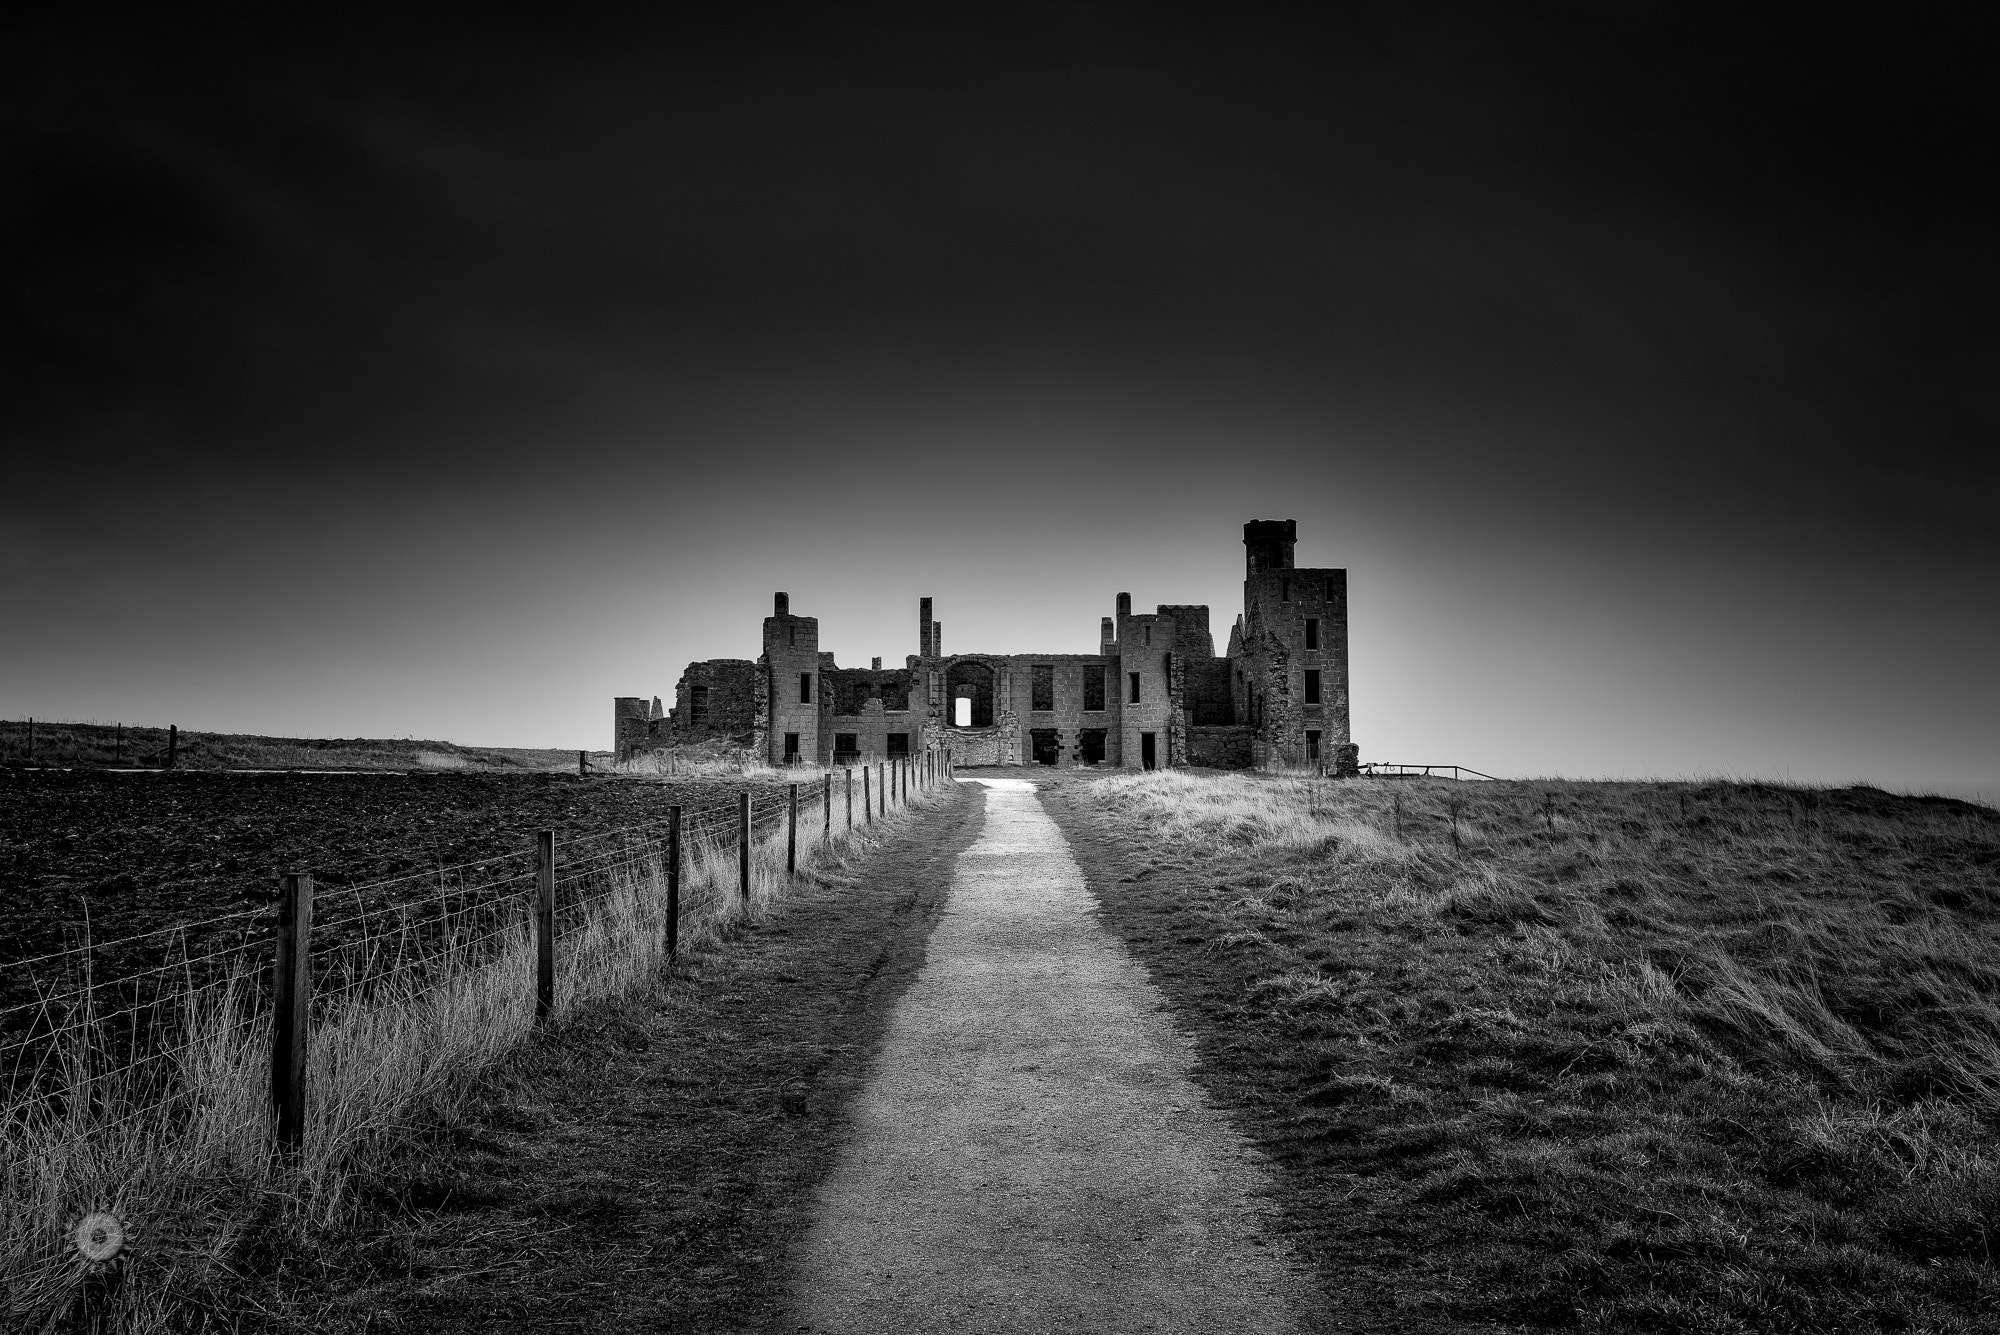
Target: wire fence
[{"x": 96, "y": 1051}]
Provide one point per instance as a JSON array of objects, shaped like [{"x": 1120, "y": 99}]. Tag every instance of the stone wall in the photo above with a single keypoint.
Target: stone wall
[
  {"x": 794, "y": 705},
  {"x": 635, "y": 725},
  {"x": 732, "y": 687},
  {"x": 850, "y": 689},
  {"x": 1066, "y": 716},
  {"x": 1206, "y": 693},
  {"x": 871, "y": 729},
  {"x": 1219, "y": 746},
  {"x": 1294, "y": 623},
  {"x": 997, "y": 745},
  {"x": 1191, "y": 634}
]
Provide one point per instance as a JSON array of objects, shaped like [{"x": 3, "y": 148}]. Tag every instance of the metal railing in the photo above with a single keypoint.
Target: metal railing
[{"x": 1385, "y": 770}]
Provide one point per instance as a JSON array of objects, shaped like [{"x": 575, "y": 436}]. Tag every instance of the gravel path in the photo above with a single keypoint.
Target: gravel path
[{"x": 1030, "y": 1154}]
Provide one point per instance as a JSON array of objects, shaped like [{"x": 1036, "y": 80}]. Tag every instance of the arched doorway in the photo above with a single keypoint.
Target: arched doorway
[{"x": 971, "y": 680}]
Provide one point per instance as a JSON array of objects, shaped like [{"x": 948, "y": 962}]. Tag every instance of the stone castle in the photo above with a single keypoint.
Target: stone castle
[{"x": 1154, "y": 694}]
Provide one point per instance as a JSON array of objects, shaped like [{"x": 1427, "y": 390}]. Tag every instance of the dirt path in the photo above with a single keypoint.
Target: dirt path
[{"x": 1030, "y": 1154}]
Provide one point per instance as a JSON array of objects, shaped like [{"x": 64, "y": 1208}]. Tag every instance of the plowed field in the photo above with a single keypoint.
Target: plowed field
[{"x": 129, "y": 853}]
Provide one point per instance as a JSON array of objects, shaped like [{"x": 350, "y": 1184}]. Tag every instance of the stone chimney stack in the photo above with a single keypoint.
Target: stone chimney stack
[
  {"x": 924, "y": 647},
  {"x": 1124, "y": 604},
  {"x": 781, "y": 605}
]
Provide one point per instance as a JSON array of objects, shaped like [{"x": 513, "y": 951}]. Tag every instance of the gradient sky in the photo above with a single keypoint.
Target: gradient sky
[{"x": 1640, "y": 362}]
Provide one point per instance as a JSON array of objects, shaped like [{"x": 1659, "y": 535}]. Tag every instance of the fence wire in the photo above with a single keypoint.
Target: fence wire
[{"x": 83, "y": 1034}]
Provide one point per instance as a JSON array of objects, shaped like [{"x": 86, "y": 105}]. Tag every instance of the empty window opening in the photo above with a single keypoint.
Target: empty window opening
[
  {"x": 1312, "y": 632},
  {"x": 698, "y": 706},
  {"x": 973, "y": 680},
  {"x": 1312, "y": 686},
  {"x": 1047, "y": 746},
  {"x": 845, "y": 751},
  {"x": 1284, "y": 590},
  {"x": 899, "y": 744},
  {"x": 791, "y": 748},
  {"x": 1135, "y": 688},
  {"x": 1090, "y": 746},
  {"x": 1043, "y": 692},
  {"x": 1149, "y": 750},
  {"x": 792, "y": 636},
  {"x": 805, "y": 688},
  {"x": 1093, "y": 687},
  {"x": 1149, "y": 637},
  {"x": 961, "y": 711},
  {"x": 1312, "y": 745}
]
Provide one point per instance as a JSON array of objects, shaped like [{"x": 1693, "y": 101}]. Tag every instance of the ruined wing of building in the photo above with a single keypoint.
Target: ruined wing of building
[{"x": 1154, "y": 694}]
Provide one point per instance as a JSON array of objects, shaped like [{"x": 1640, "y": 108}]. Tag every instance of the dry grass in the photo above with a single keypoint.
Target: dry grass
[
  {"x": 1699, "y": 1057},
  {"x": 710, "y": 762},
  {"x": 181, "y": 1150}
]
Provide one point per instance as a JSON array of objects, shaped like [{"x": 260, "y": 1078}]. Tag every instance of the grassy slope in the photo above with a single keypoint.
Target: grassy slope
[
  {"x": 101, "y": 744},
  {"x": 1630, "y": 1056}
]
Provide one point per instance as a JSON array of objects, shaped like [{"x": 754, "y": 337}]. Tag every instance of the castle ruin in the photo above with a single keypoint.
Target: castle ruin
[{"x": 1154, "y": 694}]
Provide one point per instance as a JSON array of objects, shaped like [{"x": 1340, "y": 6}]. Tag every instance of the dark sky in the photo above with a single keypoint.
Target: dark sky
[{"x": 1641, "y": 363}]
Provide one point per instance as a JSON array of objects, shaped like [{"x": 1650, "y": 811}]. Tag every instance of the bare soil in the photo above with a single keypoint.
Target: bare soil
[
  {"x": 123, "y": 854},
  {"x": 651, "y": 1166}
]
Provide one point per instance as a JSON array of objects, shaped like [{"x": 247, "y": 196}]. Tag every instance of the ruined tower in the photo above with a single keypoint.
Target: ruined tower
[{"x": 1150, "y": 693}]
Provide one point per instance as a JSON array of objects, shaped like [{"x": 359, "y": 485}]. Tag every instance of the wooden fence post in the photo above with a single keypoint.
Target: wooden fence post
[
  {"x": 291, "y": 1008},
  {"x": 850, "y": 801},
  {"x": 867, "y": 799},
  {"x": 31, "y": 741},
  {"x": 545, "y": 924},
  {"x": 792, "y": 835},
  {"x": 882, "y": 786},
  {"x": 118, "y": 753},
  {"x": 743, "y": 844},
  {"x": 173, "y": 743},
  {"x": 582, "y": 764},
  {"x": 673, "y": 879},
  {"x": 828, "y": 785}
]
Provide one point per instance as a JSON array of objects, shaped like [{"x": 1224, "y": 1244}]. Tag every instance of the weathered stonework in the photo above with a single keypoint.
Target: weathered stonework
[
  {"x": 1154, "y": 694},
  {"x": 715, "y": 699},
  {"x": 1219, "y": 746}
]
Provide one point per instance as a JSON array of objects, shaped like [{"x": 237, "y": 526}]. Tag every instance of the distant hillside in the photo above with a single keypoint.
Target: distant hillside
[{"x": 108, "y": 746}]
